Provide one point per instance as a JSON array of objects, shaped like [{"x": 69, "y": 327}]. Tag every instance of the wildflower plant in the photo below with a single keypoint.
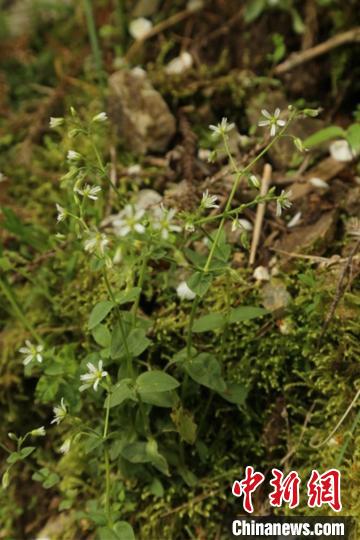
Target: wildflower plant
[{"x": 119, "y": 377}]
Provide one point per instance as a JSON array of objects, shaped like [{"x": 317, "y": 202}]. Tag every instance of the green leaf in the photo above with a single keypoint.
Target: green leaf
[
  {"x": 160, "y": 399},
  {"x": 136, "y": 341},
  {"x": 26, "y": 451},
  {"x": 135, "y": 452},
  {"x": 107, "y": 534},
  {"x": 155, "y": 381},
  {"x": 209, "y": 322},
  {"x": 235, "y": 393},
  {"x": 22, "y": 454},
  {"x": 253, "y": 10},
  {"x": 324, "y": 135},
  {"x": 205, "y": 370},
  {"x": 157, "y": 459},
  {"x": 185, "y": 424},
  {"x": 120, "y": 393},
  {"x": 245, "y": 313},
  {"x": 199, "y": 282},
  {"x": 99, "y": 312},
  {"x": 124, "y": 530},
  {"x": 353, "y": 136},
  {"x": 101, "y": 335},
  {"x": 128, "y": 296},
  {"x": 120, "y": 531}
]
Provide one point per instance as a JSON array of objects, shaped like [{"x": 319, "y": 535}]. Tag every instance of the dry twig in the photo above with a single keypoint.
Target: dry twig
[{"x": 299, "y": 58}]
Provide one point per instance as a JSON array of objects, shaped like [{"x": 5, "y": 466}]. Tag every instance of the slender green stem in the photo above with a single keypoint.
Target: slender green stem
[
  {"x": 238, "y": 210},
  {"x": 121, "y": 326},
  {"x": 140, "y": 285},
  {"x": 95, "y": 47},
  {"x": 102, "y": 166},
  {"x": 107, "y": 462},
  {"x": 191, "y": 322},
  {"x": 9, "y": 294},
  {"x": 239, "y": 174}
]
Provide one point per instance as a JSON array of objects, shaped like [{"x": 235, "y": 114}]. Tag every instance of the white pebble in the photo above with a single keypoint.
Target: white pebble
[
  {"x": 261, "y": 273},
  {"x": 341, "y": 151}
]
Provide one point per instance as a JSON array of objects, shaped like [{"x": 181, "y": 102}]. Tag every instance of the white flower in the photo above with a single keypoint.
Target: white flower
[
  {"x": 318, "y": 183},
  {"x": 272, "y": 120},
  {"x": 60, "y": 412},
  {"x": 184, "y": 292},
  {"x": 128, "y": 221},
  {"x": 341, "y": 151},
  {"x": 55, "y": 122},
  {"x": 101, "y": 117},
  {"x": 32, "y": 352},
  {"x": 283, "y": 202},
  {"x": 88, "y": 191},
  {"x": 208, "y": 201},
  {"x": 242, "y": 224},
  {"x": 163, "y": 219},
  {"x": 179, "y": 64},
  {"x": 261, "y": 274},
  {"x": 189, "y": 226},
  {"x": 38, "y": 432},
  {"x": 65, "y": 447},
  {"x": 294, "y": 221},
  {"x": 62, "y": 213},
  {"x": 96, "y": 243},
  {"x": 93, "y": 377},
  {"x": 73, "y": 156},
  {"x": 222, "y": 128},
  {"x": 139, "y": 28}
]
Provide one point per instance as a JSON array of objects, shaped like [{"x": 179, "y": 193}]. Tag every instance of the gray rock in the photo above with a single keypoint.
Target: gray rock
[{"x": 141, "y": 116}]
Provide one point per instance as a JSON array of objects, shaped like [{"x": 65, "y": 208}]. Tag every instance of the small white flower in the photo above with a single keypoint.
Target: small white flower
[
  {"x": 38, "y": 432},
  {"x": 62, "y": 213},
  {"x": 208, "y": 201},
  {"x": 93, "y": 377},
  {"x": 32, "y": 352},
  {"x": 189, "y": 226},
  {"x": 179, "y": 64},
  {"x": 341, "y": 151},
  {"x": 65, "y": 447},
  {"x": 272, "y": 120},
  {"x": 163, "y": 219},
  {"x": 96, "y": 243},
  {"x": 128, "y": 221},
  {"x": 101, "y": 117},
  {"x": 88, "y": 191},
  {"x": 73, "y": 156},
  {"x": 294, "y": 221},
  {"x": 55, "y": 122},
  {"x": 318, "y": 183},
  {"x": 139, "y": 28},
  {"x": 60, "y": 412},
  {"x": 242, "y": 225},
  {"x": 222, "y": 128},
  {"x": 261, "y": 274},
  {"x": 184, "y": 292},
  {"x": 283, "y": 202}
]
